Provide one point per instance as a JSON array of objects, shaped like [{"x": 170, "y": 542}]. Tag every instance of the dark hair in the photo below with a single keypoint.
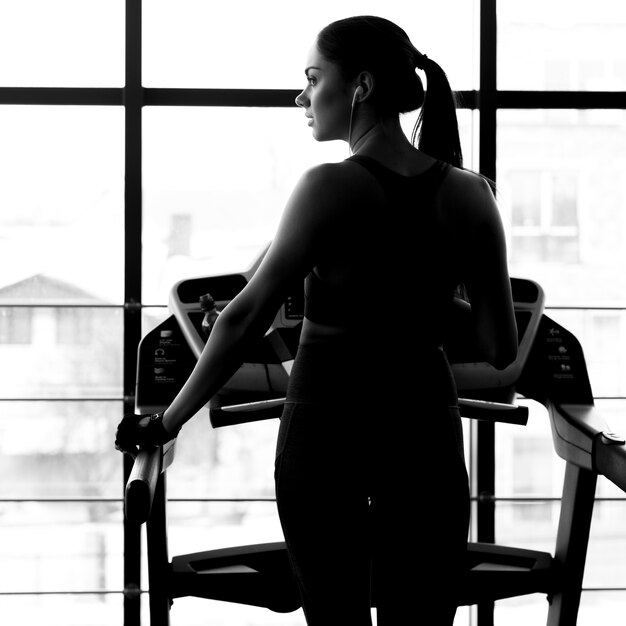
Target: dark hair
[{"x": 376, "y": 45}]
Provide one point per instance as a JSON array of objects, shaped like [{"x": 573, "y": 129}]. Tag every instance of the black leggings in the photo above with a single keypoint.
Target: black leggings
[{"x": 374, "y": 510}]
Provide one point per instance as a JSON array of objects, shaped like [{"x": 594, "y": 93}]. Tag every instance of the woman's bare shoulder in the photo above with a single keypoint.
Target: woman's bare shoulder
[
  {"x": 467, "y": 181},
  {"x": 341, "y": 172},
  {"x": 468, "y": 192},
  {"x": 336, "y": 183}
]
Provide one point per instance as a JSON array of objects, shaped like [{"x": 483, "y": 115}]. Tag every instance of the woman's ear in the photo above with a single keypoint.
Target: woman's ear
[{"x": 364, "y": 86}]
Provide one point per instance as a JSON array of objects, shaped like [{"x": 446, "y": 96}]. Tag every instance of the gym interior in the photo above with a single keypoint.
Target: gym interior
[{"x": 126, "y": 126}]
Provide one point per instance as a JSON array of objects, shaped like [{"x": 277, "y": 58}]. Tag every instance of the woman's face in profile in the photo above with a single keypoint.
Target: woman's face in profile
[{"x": 326, "y": 99}]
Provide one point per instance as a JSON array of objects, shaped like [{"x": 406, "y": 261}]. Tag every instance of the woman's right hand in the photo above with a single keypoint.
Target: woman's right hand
[{"x": 141, "y": 430}]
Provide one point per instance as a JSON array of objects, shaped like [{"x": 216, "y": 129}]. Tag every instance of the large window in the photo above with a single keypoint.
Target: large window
[
  {"x": 560, "y": 159},
  {"x": 146, "y": 142}
]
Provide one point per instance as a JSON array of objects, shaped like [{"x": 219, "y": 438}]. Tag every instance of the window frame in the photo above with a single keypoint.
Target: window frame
[{"x": 487, "y": 100}]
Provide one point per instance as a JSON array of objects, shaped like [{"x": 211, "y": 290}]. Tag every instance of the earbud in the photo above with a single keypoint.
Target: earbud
[{"x": 357, "y": 92}]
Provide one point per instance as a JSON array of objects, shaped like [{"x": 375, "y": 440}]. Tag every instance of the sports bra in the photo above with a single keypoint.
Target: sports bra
[{"x": 390, "y": 256}]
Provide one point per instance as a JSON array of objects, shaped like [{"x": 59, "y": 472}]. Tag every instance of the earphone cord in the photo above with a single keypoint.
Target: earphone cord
[{"x": 350, "y": 126}]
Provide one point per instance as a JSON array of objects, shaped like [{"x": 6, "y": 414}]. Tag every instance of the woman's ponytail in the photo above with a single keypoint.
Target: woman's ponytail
[{"x": 437, "y": 128}]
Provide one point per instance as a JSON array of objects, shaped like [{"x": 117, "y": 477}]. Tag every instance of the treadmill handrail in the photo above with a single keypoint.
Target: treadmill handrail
[
  {"x": 471, "y": 408},
  {"x": 489, "y": 411},
  {"x": 142, "y": 482}
]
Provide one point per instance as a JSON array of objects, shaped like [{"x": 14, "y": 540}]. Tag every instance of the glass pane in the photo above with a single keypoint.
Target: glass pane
[
  {"x": 59, "y": 449},
  {"x": 197, "y": 526},
  {"x": 562, "y": 45},
  {"x": 232, "y": 462},
  {"x": 60, "y": 352},
  {"x": 62, "y": 199},
  {"x": 63, "y": 610},
  {"x": 595, "y": 608},
  {"x": 607, "y": 545},
  {"x": 264, "y": 45},
  {"x": 563, "y": 202},
  {"x": 529, "y": 525},
  {"x": 65, "y": 43},
  {"x": 61, "y": 546},
  {"x": 601, "y": 607}
]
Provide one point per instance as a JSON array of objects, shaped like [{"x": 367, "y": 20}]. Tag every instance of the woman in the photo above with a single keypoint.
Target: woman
[{"x": 371, "y": 483}]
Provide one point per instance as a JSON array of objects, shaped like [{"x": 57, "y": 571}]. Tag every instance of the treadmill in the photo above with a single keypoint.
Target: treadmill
[{"x": 550, "y": 369}]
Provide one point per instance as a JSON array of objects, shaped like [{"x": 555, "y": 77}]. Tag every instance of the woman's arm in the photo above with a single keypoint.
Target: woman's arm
[
  {"x": 249, "y": 315},
  {"x": 486, "y": 276},
  {"x": 243, "y": 320}
]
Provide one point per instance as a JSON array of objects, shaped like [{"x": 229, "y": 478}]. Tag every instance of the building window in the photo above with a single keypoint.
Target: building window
[
  {"x": 16, "y": 325},
  {"x": 544, "y": 212},
  {"x": 73, "y": 327},
  {"x": 533, "y": 458}
]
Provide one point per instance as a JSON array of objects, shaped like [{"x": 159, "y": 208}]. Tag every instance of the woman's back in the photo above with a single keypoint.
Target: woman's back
[
  {"x": 384, "y": 251},
  {"x": 403, "y": 243}
]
